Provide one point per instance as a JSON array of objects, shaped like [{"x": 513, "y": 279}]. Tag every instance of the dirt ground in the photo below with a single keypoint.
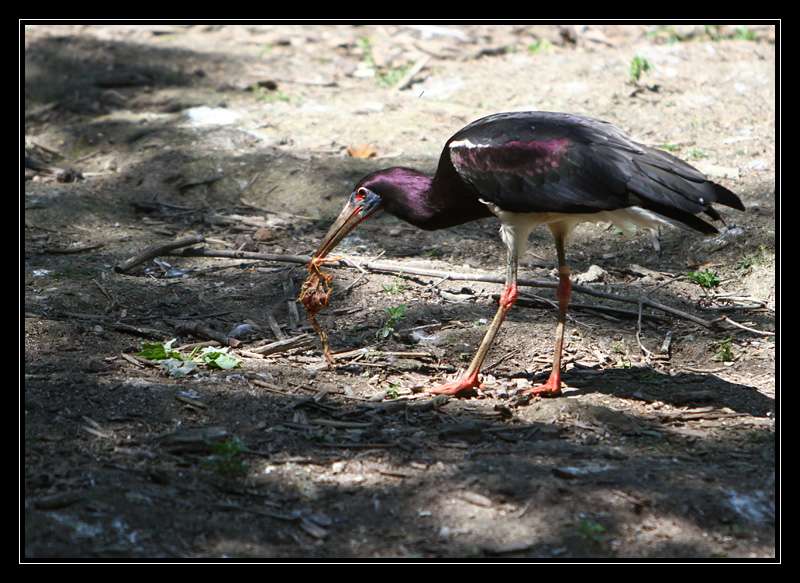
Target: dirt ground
[{"x": 139, "y": 135}]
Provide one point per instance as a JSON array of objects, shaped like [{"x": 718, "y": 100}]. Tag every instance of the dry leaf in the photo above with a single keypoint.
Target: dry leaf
[
  {"x": 263, "y": 234},
  {"x": 362, "y": 151}
]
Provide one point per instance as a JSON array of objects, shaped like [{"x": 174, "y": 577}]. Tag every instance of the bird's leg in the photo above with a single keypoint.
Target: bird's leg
[
  {"x": 470, "y": 380},
  {"x": 552, "y": 388}
]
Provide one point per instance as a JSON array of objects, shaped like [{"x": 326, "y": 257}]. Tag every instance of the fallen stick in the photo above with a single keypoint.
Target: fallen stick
[
  {"x": 72, "y": 250},
  {"x": 156, "y": 251},
  {"x": 143, "y": 331},
  {"x": 380, "y": 267},
  {"x": 527, "y": 302},
  {"x": 752, "y": 330},
  {"x": 283, "y": 345},
  {"x": 203, "y": 331}
]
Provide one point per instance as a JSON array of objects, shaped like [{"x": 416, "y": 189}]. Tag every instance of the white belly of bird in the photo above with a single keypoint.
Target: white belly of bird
[{"x": 518, "y": 226}]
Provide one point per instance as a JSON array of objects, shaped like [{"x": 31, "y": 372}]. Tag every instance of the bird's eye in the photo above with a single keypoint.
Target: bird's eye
[{"x": 361, "y": 194}]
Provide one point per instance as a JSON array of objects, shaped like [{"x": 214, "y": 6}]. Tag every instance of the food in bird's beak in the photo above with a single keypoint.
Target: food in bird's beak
[
  {"x": 316, "y": 290},
  {"x": 314, "y": 296}
]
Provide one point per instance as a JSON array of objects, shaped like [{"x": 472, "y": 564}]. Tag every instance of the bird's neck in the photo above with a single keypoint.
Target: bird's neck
[
  {"x": 432, "y": 202},
  {"x": 413, "y": 199}
]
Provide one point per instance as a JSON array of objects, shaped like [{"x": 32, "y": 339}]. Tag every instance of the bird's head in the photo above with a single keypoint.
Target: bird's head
[
  {"x": 361, "y": 204},
  {"x": 399, "y": 191}
]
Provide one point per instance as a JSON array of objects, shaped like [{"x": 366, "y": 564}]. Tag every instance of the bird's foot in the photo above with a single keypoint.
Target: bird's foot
[
  {"x": 455, "y": 387},
  {"x": 552, "y": 388}
]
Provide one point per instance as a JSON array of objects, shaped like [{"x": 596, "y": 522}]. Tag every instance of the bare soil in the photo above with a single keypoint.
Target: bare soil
[{"x": 241, "y": 134}]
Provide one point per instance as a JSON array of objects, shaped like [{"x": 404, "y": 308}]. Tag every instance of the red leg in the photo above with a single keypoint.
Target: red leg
[
  {"x": 552, "y": 388},
  {"x": 509, "y": 296},
  {"x": 470, "y": 380}
]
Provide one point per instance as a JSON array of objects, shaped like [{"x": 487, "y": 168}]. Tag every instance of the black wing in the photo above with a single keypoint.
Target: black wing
[{"x": 551, "y": 162}]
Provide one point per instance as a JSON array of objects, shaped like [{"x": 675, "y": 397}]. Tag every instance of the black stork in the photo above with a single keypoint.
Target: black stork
[{"x": 533, "y": 168}]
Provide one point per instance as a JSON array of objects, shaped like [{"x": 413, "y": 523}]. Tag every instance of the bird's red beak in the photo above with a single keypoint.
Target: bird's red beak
[{"x": 361, "y": 205}]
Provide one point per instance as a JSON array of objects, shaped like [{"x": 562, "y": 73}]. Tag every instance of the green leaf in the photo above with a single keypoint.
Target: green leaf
[
  {"x": 219, "y": 358},
  {"x": 159, "y": 350}
]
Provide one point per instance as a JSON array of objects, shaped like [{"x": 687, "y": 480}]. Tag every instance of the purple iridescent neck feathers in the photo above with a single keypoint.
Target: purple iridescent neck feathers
[{"x": 425, "y": 202}]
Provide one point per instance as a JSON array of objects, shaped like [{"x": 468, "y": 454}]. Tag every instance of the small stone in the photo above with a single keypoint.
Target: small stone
[{"x": 593, "y": 274}]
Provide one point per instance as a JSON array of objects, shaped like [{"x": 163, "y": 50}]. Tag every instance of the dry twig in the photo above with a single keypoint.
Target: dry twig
[
  {"x": 156, "y": 251},
  {"x": 380, "y": 267}
]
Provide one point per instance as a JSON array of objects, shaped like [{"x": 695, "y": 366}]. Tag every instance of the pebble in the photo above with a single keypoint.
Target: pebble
[{"x": 205, "y": 116}]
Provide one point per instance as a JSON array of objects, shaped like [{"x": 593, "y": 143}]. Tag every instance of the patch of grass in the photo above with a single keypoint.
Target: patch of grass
[
  {"x": 385, "y": 78},
  {"x": 396, "y": 287},
  {"x": 757, "y": 258},
  {"x": 724, "y": 351},
  {"x": 392, "y": 392},
  {"x": 391, "y": 77},
  {"x": 705, "y": 279},
  {"x": 712, "y": 30},
  {"x": 670, "y": 147},
  {"x": 433, "y": 252},
  {"x": 539, "y": 46},
  {"x": 666, "y": 32},
  {"x": 265, "y": 95},
  {"x": 623, "y": 361},
  {"x": 365, "y": 44},
  {"x": 591, "y": 530},
  {"x": 744, "y": 33},
  {"x": 696, "y": 153},
  {"x": 395, "y": 314},
  {"x": 226, "y": 458},
  {"x": 639, "y": 66}
]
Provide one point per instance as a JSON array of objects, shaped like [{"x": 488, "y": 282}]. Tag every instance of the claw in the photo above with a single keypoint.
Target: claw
[
  {"x": 552, "y": 388},
  {"x": 457, "y": 386}
]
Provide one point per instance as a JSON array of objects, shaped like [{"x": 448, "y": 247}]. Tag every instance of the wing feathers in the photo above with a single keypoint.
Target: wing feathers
[{"x": 544, "y": 162}]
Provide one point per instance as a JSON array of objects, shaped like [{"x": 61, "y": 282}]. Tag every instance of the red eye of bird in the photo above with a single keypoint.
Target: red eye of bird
[{"x": 360, "y": 195}]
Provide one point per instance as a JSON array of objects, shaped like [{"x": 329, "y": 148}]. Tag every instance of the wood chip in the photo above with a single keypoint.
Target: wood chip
[
  {"x": 133, "y": 360},
  {"x": 96, "y": 432},
  {"x": 475, "y": 498},
  {"x": 503, "y": 549},
  {"x": 362, "y": 151},
  {"x": 192, "y": 402}
]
